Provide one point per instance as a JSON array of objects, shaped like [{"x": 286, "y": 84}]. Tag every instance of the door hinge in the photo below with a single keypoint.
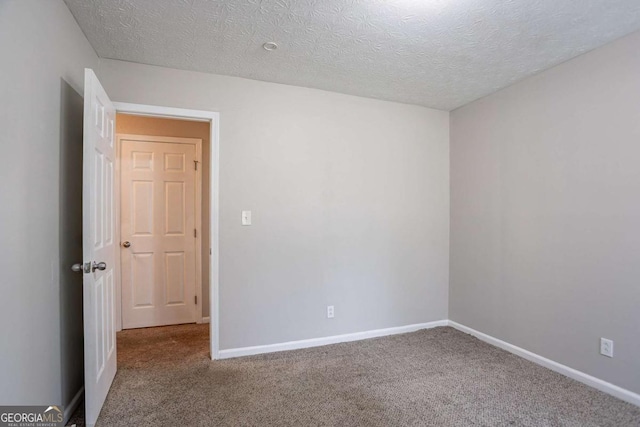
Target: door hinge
[
  {"x": 195, "y": 233},
  {"x": 196, "y": 299},
  {"x": 195, "y": 164}
]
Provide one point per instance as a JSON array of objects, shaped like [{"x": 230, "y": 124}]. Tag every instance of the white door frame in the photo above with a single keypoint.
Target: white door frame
[
  {"x": 214, "y": 161},
  {"x": 197, "y": 142}
]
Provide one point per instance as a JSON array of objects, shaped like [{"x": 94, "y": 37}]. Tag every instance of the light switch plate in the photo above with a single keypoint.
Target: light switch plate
[{"x": 246, "y": 217}]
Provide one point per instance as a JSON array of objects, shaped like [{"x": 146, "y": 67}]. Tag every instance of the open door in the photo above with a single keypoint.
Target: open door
[{"x": 98, "y": 246}]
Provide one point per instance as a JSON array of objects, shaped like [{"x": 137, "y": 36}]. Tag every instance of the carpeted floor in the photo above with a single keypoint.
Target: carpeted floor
[{"x": 436, "y": 377}]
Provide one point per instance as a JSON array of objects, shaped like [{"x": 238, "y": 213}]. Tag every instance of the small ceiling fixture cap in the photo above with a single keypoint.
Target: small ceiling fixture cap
[{"x": 270, "y": 46}]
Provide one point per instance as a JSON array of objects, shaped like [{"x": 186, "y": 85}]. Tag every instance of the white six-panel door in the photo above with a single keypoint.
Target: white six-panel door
[
  {"x": 99, "y": 246},
  {"x": 158, "y": 231}
]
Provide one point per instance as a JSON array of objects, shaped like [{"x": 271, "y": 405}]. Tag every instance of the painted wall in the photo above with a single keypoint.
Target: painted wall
[
  {"x": 44, "y": 54},
  {"x": 545, "y": 203},
  {"x": 350, "y": 202},
  {"x": 141, "y": 125}
]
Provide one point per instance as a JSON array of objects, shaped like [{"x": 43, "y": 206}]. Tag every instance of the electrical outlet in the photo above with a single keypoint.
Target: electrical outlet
[
  {"x": 330, "y": 312},
  {"x": 606, "y": 347}
]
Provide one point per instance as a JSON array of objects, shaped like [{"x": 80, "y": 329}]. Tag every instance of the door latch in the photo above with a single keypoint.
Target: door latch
[{"x": 82, "y": 268}]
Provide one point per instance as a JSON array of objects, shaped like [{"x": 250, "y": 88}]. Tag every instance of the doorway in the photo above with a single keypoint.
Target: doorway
[
  {"x": 101, "y": 234},
  {"x": 210, "y": 204},
  {"x": 163, "y": 196}
]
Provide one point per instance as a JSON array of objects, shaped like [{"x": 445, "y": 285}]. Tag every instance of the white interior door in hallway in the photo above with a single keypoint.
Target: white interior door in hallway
[{"x": 158, "y": 218}]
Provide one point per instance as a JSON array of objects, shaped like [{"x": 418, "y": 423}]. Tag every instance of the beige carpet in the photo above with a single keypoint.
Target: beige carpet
[{"x": 437, "y": 377}]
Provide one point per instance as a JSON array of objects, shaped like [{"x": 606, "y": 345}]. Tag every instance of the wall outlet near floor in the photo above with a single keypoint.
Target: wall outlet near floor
[
  {"x": 606, "y": 347},
  {"x": 330, "y": 312}
]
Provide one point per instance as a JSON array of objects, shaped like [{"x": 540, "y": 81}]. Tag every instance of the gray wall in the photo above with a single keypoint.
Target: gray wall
[
  {"x": 350, "y": 201},
  {"x": 43, "y": 56},
  {"x": 545, "y": 210}
]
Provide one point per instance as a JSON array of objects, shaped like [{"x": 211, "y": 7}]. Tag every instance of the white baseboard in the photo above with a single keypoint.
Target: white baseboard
[
  {"x": 206, "y": 320},
  {"x": 316, "y": 342},
  {"x": 613, "y": 390},
  {"x": 73, "y": 405}
]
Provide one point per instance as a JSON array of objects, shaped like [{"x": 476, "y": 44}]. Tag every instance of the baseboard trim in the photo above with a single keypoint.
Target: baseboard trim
[
  {"x": 612, "y": 389},
  {"x": 335, "y": 339},
  {"x": 206, "y": 320},
  {"x": 73, "y": 405}
]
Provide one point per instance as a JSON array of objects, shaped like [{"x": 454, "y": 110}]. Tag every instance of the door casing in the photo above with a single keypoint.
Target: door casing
[{"x": 214, "y": 128}]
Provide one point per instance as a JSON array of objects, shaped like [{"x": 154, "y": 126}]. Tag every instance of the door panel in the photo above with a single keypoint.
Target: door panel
[
  {"x": 174, "y": 277},
  {"x": 174, "y": 208},
  {"x": 174, "y": 162},
  {"x": 98, "y": 246},
  {"x": 142, "y": 208},
  {"x": 158, "y": 219},
  {"x": 143, "y": 276}
]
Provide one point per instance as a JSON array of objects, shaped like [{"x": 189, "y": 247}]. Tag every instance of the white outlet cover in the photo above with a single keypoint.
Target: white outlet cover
[
  {"x": 606, "y": 347},
  {"x": 330, "y": 312}
]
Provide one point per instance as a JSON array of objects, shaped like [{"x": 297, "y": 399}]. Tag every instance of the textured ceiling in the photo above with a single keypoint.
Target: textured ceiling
[{"x": 435, "y": 53}]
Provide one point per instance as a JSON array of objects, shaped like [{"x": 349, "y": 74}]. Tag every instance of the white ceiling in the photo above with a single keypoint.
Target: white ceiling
[{"x": 435, "y": 53}]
